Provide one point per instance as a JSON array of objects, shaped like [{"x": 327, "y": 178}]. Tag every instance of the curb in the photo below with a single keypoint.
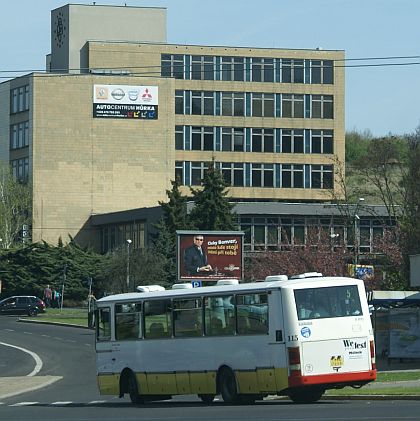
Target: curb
[{"x": 46, "y": 322}]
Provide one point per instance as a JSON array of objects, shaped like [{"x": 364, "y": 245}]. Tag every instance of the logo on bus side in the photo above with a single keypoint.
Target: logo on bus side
[
  {"x": 336, "y": 362},
  {"x": 305, "y": 332}
]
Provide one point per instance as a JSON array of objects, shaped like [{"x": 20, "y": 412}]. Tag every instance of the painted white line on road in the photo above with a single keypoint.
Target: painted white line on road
[
  {"x": 96, "y": 402},
  {"x": 10, "y": 330},
  {"x": 38, "y": 361},
  {"x": 24, "y": 404},
  {"x": 28, "y": 333},
  {"x": 61, "y": 403}
]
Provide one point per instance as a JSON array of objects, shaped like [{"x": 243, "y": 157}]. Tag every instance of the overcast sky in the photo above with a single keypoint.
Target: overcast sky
[{"x": 383, "y": 99}]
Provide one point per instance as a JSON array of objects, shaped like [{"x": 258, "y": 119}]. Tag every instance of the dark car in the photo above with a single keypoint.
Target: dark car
[{"x": 22, "y": 304}]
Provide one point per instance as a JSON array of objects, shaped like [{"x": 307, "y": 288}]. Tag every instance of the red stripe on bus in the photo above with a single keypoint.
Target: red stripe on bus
[{"x": 332, "y": 378}]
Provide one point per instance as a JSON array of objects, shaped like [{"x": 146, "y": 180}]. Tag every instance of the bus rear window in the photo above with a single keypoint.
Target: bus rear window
[{"x": 327, "y": 302}]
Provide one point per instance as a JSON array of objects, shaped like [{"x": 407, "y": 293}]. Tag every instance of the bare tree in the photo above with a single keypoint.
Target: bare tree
[{"x": 15, "y": 208}]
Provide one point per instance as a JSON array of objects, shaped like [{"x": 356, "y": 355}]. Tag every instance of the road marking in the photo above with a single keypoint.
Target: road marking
[
  {"x": 10, "y": 330},
  {"x": 96, "y": 402},
  {"x": 63, "y": 403},
  {"x": 38, "y": 361},
  {"x": 24, "y": 404}
]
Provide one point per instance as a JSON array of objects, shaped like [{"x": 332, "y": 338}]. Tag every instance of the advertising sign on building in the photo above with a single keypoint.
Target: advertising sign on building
[
  {"x": 365, "y": 272},
  {"x": 209, "y": 255},
  {"x": 125, "y": 101}
]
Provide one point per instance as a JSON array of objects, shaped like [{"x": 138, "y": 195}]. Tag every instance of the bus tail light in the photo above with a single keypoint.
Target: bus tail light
[
  {"x": 372, "y": 355},
  {"x": 294, "y": 361}
]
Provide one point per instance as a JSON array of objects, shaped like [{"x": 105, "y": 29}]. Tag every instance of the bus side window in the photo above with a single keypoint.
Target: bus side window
[
  {"x": 157, "y": 319},
  {"x": 187, "y": 317},
  {"x": 103, "y": 327},
  {"x": 252, "y": 312},
  {"x": 219, "y": 315},
  {"x": 127, "y": 321}
]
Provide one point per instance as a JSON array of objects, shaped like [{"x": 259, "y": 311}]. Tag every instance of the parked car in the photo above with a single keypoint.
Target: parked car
[{"x": 22, "y": 304}]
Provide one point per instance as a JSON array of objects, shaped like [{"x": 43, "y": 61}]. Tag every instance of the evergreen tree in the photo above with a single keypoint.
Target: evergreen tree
[
  {"x": 175, "y": 214},
  {"x": 174, "y": 218},
  {"x": 212, "y": 209}
]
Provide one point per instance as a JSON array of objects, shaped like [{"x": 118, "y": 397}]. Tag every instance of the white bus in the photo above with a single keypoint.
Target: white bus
[{"x": 292, "y": 337}]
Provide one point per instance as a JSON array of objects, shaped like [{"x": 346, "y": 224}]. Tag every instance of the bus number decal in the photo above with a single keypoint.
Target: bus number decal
[{"x": 292, "y": 338}]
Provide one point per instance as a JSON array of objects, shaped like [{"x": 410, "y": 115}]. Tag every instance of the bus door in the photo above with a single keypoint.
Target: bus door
[
  {"x": 277, "y": 340},
  {"x": 105, "y": 347}
]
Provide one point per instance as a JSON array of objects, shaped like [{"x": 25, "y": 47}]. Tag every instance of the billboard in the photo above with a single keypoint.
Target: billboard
[
  {"x": 365, "y": 272},
  {"x": 209, "y": 255},
  {"x": 125, "y": 101}
]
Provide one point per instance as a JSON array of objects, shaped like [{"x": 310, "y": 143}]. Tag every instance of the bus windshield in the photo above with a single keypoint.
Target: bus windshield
[{"x": 327, "y": 302}]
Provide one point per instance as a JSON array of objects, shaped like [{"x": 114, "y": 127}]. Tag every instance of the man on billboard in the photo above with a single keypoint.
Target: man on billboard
[{"x": 195, "y": 258}]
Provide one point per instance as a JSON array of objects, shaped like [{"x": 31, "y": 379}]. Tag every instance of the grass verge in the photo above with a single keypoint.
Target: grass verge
[{"x": 74, "y": 316}]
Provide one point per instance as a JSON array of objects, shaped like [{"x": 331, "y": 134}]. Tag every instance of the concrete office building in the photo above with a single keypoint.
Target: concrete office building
[{"x": 120, "y": 112}]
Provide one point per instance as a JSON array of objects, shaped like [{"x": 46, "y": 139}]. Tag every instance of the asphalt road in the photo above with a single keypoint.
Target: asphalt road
[{"x": 68, "y": 357}]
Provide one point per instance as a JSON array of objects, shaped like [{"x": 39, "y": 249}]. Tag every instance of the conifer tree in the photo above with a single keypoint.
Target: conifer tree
[{"x": 212, "y": 209}]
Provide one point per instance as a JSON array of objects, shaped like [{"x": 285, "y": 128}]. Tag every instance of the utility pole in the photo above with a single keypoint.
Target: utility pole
[{"x": 62, "y": 287}]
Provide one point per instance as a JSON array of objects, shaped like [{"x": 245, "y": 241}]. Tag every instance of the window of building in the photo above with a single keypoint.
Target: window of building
[
  {"x": 202, "y": 103},
  {"x": 20, "y": 169},
  {"x": 262, "y": 140},
  {"x": 232, "y": 139},
  {"x": 322, "y": 106},
  {"x": 179, "y": 138},
  {"x": 262, "y": 105},
  {"x": 292, "y": 106},
  {"x": 292, "y": 141},
  {"x": 292, "y": 71},
  {"x": 179, "y": 172},
  {"x": 202, "y": 138},
  {"x": 179, "y": 102},
  {"x": 262, "y": 70},
  {"x": 116, "y": 235},
  {"x": 202, "y": 68},
  {"x": 233, "y": 104},
  {"x": 198, "y": 170},
  {"x": 322, "y": 141},
  {"x": 19, "y": 99},
  {"x": 172, "y": 65}
]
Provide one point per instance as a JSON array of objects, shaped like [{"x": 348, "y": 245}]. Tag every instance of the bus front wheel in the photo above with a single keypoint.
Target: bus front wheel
[
  {"x": 228, "y": 387},
  {"x": 133, "y": 389},
  {"x": 306, "y": 395}
]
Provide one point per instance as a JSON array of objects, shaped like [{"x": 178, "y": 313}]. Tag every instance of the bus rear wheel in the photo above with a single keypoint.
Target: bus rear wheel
[
  {"x": 133, "y": 389},
  {"x": 306, "y": 395},
  {"x": 206, "y": 398},
  {"x": 228, "y": 387}
]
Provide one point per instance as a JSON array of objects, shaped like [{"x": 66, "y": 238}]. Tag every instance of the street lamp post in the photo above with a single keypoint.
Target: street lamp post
[
  {"x": 128, "y": 264},
  {"x": 356, "y": 220}
]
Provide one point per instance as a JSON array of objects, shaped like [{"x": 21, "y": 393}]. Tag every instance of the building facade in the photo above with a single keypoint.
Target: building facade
[{"x": 85, "y": 137}]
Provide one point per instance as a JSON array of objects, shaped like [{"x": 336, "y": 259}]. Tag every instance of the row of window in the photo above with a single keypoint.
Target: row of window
[
  {"x": 247, "y": 69},
  {"x": 19, "y": 99},
  {"x": 277, "y": 233},
  {"x": 19, "y": 135},
  {"x": 116, "y": 235},
  {"x": 259, "y": 175},
  {"x": 245, "y": 314},
  {"x": 20, "y": 169},
  {"x": 248, "y": 139},
  {"x": 252, "y": 104}
]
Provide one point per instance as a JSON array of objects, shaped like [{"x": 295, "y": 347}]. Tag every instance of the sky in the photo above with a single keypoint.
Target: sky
[{"x": 382, "y": 96}]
